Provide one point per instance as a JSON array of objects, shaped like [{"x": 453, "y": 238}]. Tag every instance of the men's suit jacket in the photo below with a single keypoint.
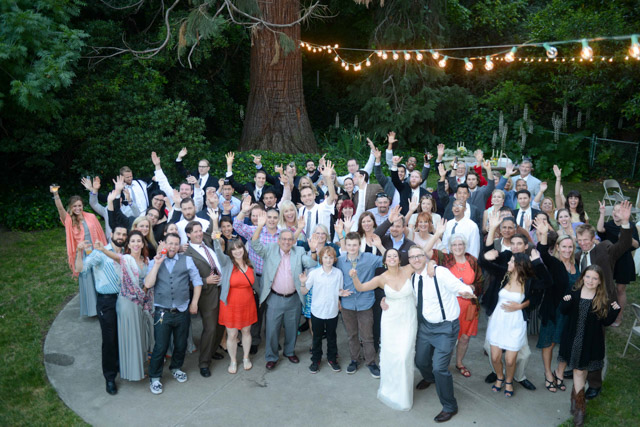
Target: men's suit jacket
[
  {"x": 533, "y": 184},
  {"x": 249, "y": 187},
  {"x": 475, "y": 215},
  {"x": 204, "y": 269},
  {"x": 271, "y": 256},
  {"x": 534, "y": 212},
  {"x": 212, "y": 181},
  {"x": 387, "y": 242},
  {"x": 605, "y": 254},
  {"x": 370, "y": 196},
  {"x": 405, "y": 191}
]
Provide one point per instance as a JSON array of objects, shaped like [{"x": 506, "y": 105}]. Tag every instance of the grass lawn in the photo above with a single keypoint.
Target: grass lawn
[{"x": 38, "y": 284}]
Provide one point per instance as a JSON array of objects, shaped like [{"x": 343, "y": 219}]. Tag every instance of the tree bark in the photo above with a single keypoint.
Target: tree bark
[{"x": 276, "y": 116}]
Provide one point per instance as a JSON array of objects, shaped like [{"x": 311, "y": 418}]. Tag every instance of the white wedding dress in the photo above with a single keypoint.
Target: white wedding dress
[{"x": 398, "y": 329}]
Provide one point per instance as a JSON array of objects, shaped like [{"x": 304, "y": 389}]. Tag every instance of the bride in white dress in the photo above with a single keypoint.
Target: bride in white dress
[{"x": 398, "y": 332}]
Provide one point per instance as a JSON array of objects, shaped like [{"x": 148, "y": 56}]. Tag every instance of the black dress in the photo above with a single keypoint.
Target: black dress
[
  {"x": 582, "y": 346},
  {"x": 624, "y": 272}
]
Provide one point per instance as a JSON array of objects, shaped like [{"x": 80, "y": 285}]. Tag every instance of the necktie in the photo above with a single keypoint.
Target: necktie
[
  {"x": 521, "y": 218},
  {"x": 453, "y": 231},
  {"x": 200, "y": 182},
  {"x": 308, "y": 227},
  {"x": 459, "y": 180},
  {"x": 258, "y": 194},
  {"x": 420, "y": 299},
  {"x": 212, "y": 263},
  {"x": 133, "y": 196},
  {"x": 584, "y": 262}
]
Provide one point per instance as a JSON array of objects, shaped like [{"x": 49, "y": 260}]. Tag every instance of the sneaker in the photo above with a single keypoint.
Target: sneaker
[
  {"x": 335, "y": 366},
  {"x": 314, "y": 367},
  {"x": 180, "y": 376},
  {"x": 352, "y": 368},
  {"x": 374, "y": 370},
  {"x": 156, "y": 387}
]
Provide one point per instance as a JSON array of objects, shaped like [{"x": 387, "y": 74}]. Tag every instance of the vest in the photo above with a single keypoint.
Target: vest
[{"x": 172, "y": 289}]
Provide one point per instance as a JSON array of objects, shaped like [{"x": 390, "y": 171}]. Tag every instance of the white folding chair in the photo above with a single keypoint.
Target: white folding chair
[
  {"x": 613, "y": 192},
  {"x": 635, "y": 329},
  {"x": 635, "y": 209}
]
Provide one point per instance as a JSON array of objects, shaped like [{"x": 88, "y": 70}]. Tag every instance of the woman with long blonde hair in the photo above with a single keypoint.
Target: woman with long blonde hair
[{"x": 143, "y": 225}]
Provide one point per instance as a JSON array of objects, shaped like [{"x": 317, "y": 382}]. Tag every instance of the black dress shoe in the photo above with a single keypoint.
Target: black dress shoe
[
  {"x": 205, "y": 372},
  {"x": 217, "y": 356},
  {"x": 270, "y": 365},
  {"x": 111, "y": 387},
  {"x": 527, "y": 384},
  {"x": 491, "y": 378},
  {"x": 423, "y": 384},
  {"x": 592, "y": 393},
  {"x": 254, "y": 349},
  {"x": 444, "y": 416},
  {"x": 568, "y": 374},
  {"x": 293, "y": 359}
]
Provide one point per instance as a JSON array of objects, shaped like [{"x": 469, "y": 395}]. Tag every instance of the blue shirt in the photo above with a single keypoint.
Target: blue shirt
[
  {"x": 397, "y": 244},
  {"x": 366, "y": 265},
  {"x": 107, "y": 273},
  {"x": 169, "y": 263}
]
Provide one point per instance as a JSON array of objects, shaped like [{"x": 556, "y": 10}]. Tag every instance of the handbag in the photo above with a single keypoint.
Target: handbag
[{"x": 255, "y": 294}]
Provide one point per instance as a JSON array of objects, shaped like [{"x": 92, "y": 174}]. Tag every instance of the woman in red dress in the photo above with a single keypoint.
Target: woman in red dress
[
  {"x": 465, "y": 267},
  {"x": 237, "y": 303}
]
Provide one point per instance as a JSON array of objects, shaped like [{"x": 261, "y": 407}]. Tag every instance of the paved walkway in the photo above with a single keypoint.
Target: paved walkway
[{"x": 287, "y": 396}]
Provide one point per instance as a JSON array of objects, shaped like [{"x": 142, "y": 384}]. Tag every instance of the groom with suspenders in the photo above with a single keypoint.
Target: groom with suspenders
[{"x": 438, "y": 310}]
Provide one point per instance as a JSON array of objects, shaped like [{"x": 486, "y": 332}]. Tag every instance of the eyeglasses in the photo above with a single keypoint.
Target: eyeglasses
[{"x": 416, "y": 257}]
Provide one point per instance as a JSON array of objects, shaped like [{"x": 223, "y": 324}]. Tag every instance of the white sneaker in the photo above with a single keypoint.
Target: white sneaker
[
  {"x": 180, "y": 376},
  {"x": 156, "y": 387}
]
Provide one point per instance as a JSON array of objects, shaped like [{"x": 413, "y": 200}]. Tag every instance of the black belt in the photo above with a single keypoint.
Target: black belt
[
  {"x": 168, "y": 310},
  {"x": 282, "y": 295},
  {"x": 106, "y": 295},
  {"x": 259, "y": 275}
]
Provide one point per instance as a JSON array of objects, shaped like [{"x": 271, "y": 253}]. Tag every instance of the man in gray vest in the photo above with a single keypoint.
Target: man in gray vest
[{"x": 170, "y": 275}]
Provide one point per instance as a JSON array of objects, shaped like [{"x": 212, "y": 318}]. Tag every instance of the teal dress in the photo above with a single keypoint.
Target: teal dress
[{"x": 87, "y": 289}]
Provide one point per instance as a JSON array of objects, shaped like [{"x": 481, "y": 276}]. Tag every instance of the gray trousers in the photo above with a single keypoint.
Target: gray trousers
[
  {"x": 434, "y": 346},
  {"x": 281, "y": 312},
  {"x": 256, "y": 328}
]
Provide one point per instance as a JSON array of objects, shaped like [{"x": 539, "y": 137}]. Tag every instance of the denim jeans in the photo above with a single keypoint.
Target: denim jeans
[{"x": 172, "y": 323}]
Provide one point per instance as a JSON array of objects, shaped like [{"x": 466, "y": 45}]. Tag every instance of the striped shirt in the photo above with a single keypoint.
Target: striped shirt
[
  {"x": 107, "y": 273},
  {"x": 247, "y": 231}
]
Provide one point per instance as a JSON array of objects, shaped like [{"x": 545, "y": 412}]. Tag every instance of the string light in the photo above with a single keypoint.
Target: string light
[
  {"x": 434, "y": 54},
  {"x": 511, "y": 56},
  {"x": 488, "y": 65},
  {"x": 407, "y": 56},
  {"x": 384, "y": 55},
  {"x": 468, "y": 65},
  {"x": 586, "y": 52},
  {"x": 419, "y": 56},
  {"x": 634, "y": 50},
  {"x": 379, "y": 53},
  {"x": 552, "y": 52},
  {"x": 395, "y": 55},
  {"x": 336, "y": 58},
  {"x": 368, "y": 63},
  {"x": 443, "y": 62}
]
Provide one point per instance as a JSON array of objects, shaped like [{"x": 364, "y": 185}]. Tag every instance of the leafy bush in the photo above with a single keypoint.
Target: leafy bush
[{"x": 28, "y": 211}]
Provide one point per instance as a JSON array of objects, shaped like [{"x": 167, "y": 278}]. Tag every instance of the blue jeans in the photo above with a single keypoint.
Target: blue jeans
[{"x": 172, "y": 323}]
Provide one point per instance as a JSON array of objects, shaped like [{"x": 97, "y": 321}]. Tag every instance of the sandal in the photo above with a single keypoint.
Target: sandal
[
  {"x": 508, "y": 393},
  {"x": 495, "y": 388},
  {"x": 559, "y": 382},
  {"x": 246, "y": 363},
  {"x": 550, "y": 385},
  {"x": 463, "y": 371},
  {"x": 233, "y": 368}
]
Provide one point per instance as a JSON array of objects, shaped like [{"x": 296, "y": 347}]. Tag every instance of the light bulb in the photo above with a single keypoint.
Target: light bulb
[
  {"x": 443, "y": 62},
  {"x": 384, "y": 55},
  {"x": 309, "y": 48},
  {"x": 419, "y": 56},
  {"x": 314, "y": 50},
  {"x": 346, "y": 68},
  {"x": 552, "y": 52},
  {"x": 336, "y": 58},
  {"x": 488, "y": 65},
  {"x": 586, "y": 53},
  {"x": 634, "y": 50},
  {"x": 301, "y": 44},
  {"x": 435, "y": 54},
  {"x": 368, "y": 63},
  {"x": 357, "y": 67},
  {"x": 395, "y": 55},
  {"x": 468, "y": 65},
  {"x": 379, "y": 53},
  {"x": 343, "y": 64},
  {"x": 511, "y": 56},
  {"x": 335, "y": 46},
  {"x": 407, "y": 56}
]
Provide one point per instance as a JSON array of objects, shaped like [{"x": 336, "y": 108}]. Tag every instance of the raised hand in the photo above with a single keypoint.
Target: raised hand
[
  {"x": 442, "y": 171},
  {"x": 396, "y": 160},
  {"x": 229, "y": 156},
  {"x": 440, "y": 151},
  {"x": 534, "y": 255},
  {"x": 339, "y": 227},
  {"x": 155, "y": 159},
  {"x": 127, "y": 194},
  {"x": 262, "y": 218},
  {"x": 86, "y": 183},
  {"x": 527, "y": 222},
  {"x": 494, "y": 219},
  {"x": 427, "y": 157},
  {"x": 557, "y": 171},
  {"x": 226, "y": 206},
  {"x": 441, "y": 227},
  {"x": 182, "y": 153},
  {"x": 375, "y": 240},
  {"x": 543, "y": 186},
  {"x": 394, "y": 214},
  {"x": 371, "y": 144},
  {"x": 257, "y": 159},
  {"x": 212, "y": 214},
  {"x": 112, "y": 196},
  {"x": 602, "y": 207},
  {"x": 247, "y": 206},
  {"x": 542, "y": 227},
  {"x": 192, "y": 180},
  {"x": 176, "y": 197},
  {"x": 348, "y": 222},
  {"x": 625, "y": 212},
  {"x": 328, "y": 171},
  {"x": 391, "y": 137},
  {"x": 479, "y": 155},
  {"x": 491, "y": 255},
  {"x": 377, "y": 154},
  {"x": 302, "y": 222},
  {"x": 119, "y": 183},
  {"x": 220, "y": 183},
  {"x": 487, "y": 165},
  {"x": 97, "y": 183},
  {"x": 509, "y": 170},
  {"x": 313, "y": 242},
  {"x": 568, "y": 298},
  {"x": 413, "y": 204}
]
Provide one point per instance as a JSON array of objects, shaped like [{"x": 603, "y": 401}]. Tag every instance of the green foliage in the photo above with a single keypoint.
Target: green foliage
[
  {"x": 28, "y": 210},
  {"x": 38, "y": 53}
]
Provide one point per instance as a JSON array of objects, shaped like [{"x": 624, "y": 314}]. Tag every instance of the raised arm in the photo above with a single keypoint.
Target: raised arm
[
  {"x": 179, "y": 165},
  {"x": 56, "y": 199},
  {"x": 376, "y": 282},
  {"x": 600, "y": 224},
  {"x": 326, "y": 174},
  {"x": 437, "y": 235},
  {"x": 559, "y": 196}
]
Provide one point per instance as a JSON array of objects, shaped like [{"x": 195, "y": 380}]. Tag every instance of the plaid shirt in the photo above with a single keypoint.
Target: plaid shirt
[{"x": 247, "y": 231}]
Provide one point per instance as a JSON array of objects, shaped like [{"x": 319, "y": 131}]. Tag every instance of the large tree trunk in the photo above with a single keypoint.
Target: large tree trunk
[{"x": 276, "y": 117}]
